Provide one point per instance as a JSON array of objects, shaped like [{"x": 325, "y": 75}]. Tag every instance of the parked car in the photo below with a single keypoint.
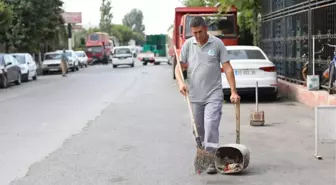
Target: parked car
[
  {"x": 250, "y": 64},
  {"x": 10, "y": 71},
  {"x": 28, "y": 66},
  {"x": 122, "y": 55},
  {"x": 83, "y": 59},
  {"x": 51, "y": 62}
]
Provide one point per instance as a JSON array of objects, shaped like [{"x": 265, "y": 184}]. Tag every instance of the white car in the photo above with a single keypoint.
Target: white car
[
  {"x": 122, "y": 55},
  {"x": 51, "y": 62},
  {"x": 250, "y": 64},
  {"x": 83, "y": 59},
  {"x": 28, "y": 66}
]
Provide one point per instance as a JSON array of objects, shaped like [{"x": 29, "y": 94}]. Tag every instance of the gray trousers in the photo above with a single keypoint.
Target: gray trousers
[{"x": 207, "y": 117}]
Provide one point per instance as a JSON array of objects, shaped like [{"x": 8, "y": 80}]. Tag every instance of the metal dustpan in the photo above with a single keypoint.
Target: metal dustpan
[{"x": 233, "y": 158}]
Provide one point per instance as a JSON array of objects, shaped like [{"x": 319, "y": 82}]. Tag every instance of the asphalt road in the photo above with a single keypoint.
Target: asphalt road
[{"x": 130, "y": 126}]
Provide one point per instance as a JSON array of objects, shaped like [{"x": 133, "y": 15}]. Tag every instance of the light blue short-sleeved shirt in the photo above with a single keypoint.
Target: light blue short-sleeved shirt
[{"x": 204, "y": 70}]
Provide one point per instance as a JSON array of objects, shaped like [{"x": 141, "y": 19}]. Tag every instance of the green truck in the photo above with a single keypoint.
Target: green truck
[{"x": 155, "y": 50}]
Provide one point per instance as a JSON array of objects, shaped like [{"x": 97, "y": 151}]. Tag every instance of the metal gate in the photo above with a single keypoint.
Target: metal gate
[{"x": 287, "y": 29}]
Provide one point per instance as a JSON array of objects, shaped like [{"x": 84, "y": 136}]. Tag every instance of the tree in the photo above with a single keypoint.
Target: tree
[
  {"x": 80, "y": 38},
  {"x": 126, "y": 32},
  {"x": 139, "y": 38},
  {"x": 117, "y": 34},
  {"x": 6, "y": 17},
  {"x": 134, "y": 20},
  {"x": 106, "y": 16},
  {"x": 194, "y": 3},
  {"x": 35, "y": 22}
]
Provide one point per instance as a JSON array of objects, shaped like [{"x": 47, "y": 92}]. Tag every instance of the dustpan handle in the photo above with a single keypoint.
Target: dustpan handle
[{"x": 237, "y": 122}]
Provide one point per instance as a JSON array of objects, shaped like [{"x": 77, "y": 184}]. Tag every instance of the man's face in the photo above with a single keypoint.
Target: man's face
[{"x": 200, "y": 33}]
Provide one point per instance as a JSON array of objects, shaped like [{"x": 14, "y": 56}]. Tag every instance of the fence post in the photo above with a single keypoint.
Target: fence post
[{"x": 310, "y": 51}]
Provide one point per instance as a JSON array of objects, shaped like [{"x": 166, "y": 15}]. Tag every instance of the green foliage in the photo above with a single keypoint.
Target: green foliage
[
  {"x": 34, "y": 23},
  {"x": 117, "y": 34},
  {"x": 6, "y": 15},
  {"x": 134, "y": 20},
  {"x": 125, "y": 32},
  {"x": 106, "y": 16},
  {"x": 80, "y": 37},
  {"x": 139, "y": 38}
]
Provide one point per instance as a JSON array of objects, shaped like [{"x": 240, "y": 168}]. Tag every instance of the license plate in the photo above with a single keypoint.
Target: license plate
[
  {"x": 245, "y": 72},
  {"x": 53, "y": 69}
]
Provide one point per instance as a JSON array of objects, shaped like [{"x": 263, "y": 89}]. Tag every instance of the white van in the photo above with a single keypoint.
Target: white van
[{"x": 122, "y": 55}]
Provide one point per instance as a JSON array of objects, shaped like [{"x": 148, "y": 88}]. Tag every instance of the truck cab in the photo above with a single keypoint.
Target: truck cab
[{"x": 220, "y": 24}]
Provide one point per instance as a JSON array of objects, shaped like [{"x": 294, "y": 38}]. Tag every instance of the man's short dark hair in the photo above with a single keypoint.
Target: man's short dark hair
[{"x": 197, "y": 21}]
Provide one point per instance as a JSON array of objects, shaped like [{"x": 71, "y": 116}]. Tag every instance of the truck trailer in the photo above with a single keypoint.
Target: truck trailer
[{"x": 155, "y": 50}]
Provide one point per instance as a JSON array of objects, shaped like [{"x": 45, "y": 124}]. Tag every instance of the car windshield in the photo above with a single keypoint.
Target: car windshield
[
  {"x": 20, "y": 58},
  {"x": 80, "y": 54},
  {"x": 245, "y": 54},
  {"x": 68, "y": 54},
  {"x": 95, "y": 49},
  {"x": 94, "y": 37},
  {"x": 220, "y": 26},
  {"x": 122, "y": 51},
  {"x": 53, "y": 56}
]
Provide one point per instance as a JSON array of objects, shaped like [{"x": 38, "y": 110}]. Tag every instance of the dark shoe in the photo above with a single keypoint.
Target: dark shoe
[{"x": 211, "y": 169}]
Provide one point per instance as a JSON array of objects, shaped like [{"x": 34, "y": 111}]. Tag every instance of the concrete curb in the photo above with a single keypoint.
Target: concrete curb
[{"x": 304, "y": 96}]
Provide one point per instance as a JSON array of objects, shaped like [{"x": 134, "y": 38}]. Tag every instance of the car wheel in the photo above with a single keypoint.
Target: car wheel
[
  {"x": 132, "y": 65},
  {"x": 25, "y": 77},
  {"x": 115, "y": 66},
  {"x": 35, "y": 76},
  {"x": 4, "y": 81},
  {"x": 145, "y": 63},
  {"x": 18, "y": 81}
]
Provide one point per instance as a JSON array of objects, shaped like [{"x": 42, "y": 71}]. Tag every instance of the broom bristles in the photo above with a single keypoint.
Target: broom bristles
[{"x": 202, "y": 160}]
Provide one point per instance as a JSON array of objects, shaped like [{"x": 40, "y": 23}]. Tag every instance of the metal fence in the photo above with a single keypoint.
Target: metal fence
[{"x": 287, "y": 29}]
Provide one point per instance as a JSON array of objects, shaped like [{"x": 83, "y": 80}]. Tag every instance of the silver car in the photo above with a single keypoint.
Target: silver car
[{"x": 10, "y": 71}]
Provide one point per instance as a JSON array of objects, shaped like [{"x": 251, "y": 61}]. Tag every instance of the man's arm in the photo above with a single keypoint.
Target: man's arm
[
  {"x": 230, "y": 76},
  {"x": 227, "y": 68}
]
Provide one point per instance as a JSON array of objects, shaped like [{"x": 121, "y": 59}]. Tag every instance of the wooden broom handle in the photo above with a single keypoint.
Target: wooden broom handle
[{"x": 237, "y": 105}]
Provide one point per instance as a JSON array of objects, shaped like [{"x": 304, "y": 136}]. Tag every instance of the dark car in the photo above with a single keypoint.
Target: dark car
[{"x": 10, "y": 71}]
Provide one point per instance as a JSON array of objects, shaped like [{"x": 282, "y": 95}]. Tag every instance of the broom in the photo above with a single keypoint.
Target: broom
[{"x": 203, "y": 158}]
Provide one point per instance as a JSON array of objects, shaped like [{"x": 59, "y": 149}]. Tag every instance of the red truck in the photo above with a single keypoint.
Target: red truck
[
  {"x": 222, "y": 25},
  {"x": 98, "y": 47}
]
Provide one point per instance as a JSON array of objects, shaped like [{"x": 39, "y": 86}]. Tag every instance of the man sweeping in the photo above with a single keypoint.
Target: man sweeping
[
  {"x": 201, "y": 57},
  {"x": 64, "y": 63}
]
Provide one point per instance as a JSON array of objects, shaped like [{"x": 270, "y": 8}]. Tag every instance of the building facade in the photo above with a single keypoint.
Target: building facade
[{"x": 287, "y": 31}]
